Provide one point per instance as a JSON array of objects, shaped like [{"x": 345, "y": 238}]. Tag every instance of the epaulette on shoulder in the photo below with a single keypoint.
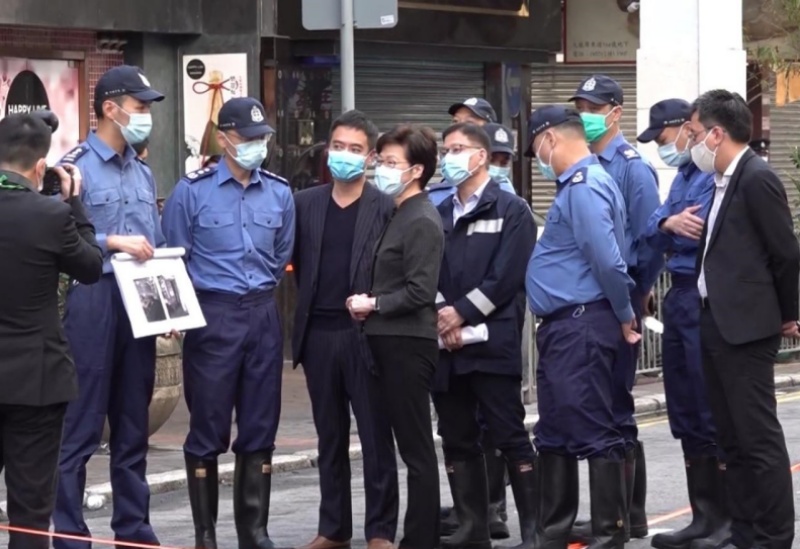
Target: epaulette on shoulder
[
  {"x": 202, "y": 173},
  {"x": 274, "y": 176},
  {"x": 628, "y": 152},
  {"x": 579, "y": 177},
  {"x": 72, "y": 156}
]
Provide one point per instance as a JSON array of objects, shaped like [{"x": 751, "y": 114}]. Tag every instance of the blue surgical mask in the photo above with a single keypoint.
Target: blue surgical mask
[
  {"x": 500, "y": 174},
  {"x": 456, "y": 168},
  {"x": 671, "y": 156},
  {"x": 139, "y": 127},
  {"x": 250, "y": 154},
  {"x": 546, "y": 169},
  {"x": 345, "y": 166},
  {"x": 390, "y": 180}
]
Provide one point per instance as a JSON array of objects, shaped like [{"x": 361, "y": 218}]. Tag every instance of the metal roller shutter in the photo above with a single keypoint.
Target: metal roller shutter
[
  {"x": 784, "y": 137},
  {"x": 392, "y": 91},
  {"x": 554, "y": 84}
]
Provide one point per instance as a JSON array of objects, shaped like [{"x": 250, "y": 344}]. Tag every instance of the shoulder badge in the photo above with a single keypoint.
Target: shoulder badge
[
  {"x": 628, "y": 152},
  {"x": 202, "y": 173},
  {"x": 72, "y": 156},
  {"x": 579, "y": 177},
  {"x": 273, "y": 176}
]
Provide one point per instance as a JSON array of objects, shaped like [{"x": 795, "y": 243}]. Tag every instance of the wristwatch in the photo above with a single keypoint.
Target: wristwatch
[{"x": 377, "y": 304}]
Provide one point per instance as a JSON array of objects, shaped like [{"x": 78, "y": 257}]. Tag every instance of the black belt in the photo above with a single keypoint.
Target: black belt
[{"x": 576, "y": 311}]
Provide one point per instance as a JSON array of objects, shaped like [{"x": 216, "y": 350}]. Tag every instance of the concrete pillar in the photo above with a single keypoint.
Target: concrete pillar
[{"x": 687, "y": 47}]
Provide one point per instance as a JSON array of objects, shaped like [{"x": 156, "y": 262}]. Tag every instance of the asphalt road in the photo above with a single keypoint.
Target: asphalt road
[{"x": 295, "y": 496}]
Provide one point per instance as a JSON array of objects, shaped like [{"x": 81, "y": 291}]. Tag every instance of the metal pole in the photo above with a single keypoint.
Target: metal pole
[{"x": 347, "y": 58}]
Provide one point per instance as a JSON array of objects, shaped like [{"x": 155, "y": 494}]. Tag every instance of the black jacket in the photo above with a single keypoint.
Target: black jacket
[
  {"x": 40, "y": 237},
  {"x": 311, "y": 206},
  {"x": 406, "y": 272},
  {"x": 753, "y": 259},
  {"x": 483, "y": 277}
]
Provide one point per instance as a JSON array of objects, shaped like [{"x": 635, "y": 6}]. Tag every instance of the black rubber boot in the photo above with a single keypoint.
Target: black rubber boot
[
  {"x": 722, "y": 533},
  {"x": 496, "y": 471},
  {"x": 637, "y": 514},
  {"x": 252, "y": 485},
  {"x": 202, "y": 478},
  {"x": 449, "y": 520},
  {"x": 471, "y": 503},
  {"x": 523, "y": 476},
  {"x": 607, "y": 491},
  {"x": 702, "y": 481},
  {"x": 558, "y": 500}
]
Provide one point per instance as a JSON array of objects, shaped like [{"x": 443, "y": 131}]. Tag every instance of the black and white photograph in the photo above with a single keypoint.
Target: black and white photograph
[
  {"x": 151, "y": 302},
  {"x": 172, "y": 297}
]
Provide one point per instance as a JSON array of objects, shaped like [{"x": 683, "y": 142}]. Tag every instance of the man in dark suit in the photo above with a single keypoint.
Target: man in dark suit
[
  {"x": 748, "y": 265},
  {"x": 337, "y": 227},
  {"x": 40, "y": 236}
]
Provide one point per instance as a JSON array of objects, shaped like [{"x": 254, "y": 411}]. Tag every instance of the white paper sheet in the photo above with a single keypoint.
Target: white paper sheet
[{"x": 471, "y": 335}]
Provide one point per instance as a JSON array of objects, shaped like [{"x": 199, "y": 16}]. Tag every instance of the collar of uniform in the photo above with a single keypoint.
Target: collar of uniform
[
  {"x": 611, "y": 149},
  {"x": 688, "y": 170},
  {"x": 588, "y": 160},
  {"x": 17, "y": 179},
  {"x": 474, "y": 197},
  {"x": 104, "y": 151},
  {"x": 224, "y": 173}
]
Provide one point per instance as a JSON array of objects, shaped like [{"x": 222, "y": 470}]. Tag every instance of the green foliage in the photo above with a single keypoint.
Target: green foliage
[
  {"x": 793, "y": 177},
  {"x": 63, "y": 286}
]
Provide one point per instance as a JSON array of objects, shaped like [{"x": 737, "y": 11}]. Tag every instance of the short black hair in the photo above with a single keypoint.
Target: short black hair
[
  {"x": 476, "y": 134},
  {"x": 575, "y": 127},
  {"x": 140, "y": 147},
  {"x": 419, "y": 143},
  {"x": 213, "y": 159},
  {"x": 357, "y": 120},
  {"x": 98, "y": 104},
  {"x": 727, "y": 110},
  {"x": 24, "y": 140}
]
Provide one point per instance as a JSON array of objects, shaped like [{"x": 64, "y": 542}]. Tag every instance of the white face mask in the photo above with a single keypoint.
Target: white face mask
[
  {"x": 390, "y": 180},
  {"x": 704, "y": 157}
]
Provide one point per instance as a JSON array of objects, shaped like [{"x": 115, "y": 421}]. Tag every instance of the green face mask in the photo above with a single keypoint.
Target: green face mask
[{"x": 594, "y": 125}]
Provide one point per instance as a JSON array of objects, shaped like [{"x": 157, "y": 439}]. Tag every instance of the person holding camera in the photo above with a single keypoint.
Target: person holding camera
[{"x": 40, "y": 237}]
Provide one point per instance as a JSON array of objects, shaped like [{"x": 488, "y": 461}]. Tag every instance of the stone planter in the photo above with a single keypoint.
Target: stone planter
[{"x": 169, "y": 380}]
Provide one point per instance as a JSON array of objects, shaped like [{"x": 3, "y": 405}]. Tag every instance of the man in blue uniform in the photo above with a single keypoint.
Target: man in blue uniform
[
  {"x": 577, "y": 283},
  {"x": 475, "y": 111},
  {"x": 675, "y": 229},
  {"x": 116, "y": 372},
  {"x": 500, "y": 167},
  {"x": 599, "y": 100},
  {"x": 489, "y": 235},
  {"x": 236, "y": 223}
]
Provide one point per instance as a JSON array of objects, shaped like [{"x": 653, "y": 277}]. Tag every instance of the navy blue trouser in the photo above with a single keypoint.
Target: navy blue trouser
[
  {"x": 684, "y": 381},
  {"x": 625, "y": 376},
  {"x": 234, "y": 363},
  {"x": 498, "y": 400},
  {"x": 116, "y": 374},
  {"x": 578, "y": 347},
  {"x": 337, "y": 377}
]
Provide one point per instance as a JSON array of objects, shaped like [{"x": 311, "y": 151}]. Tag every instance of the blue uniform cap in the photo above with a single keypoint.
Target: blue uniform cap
[
  {"x": 502, "y": 138},
  {"x": 246, "y": 116},
  {"x": 547, "y": 117},
  {"x": 125, "y": 80},
  {"x": 600, "y": 90},
  {"x": 668, "y": 113},
  {"x": 480, "y": 107}
]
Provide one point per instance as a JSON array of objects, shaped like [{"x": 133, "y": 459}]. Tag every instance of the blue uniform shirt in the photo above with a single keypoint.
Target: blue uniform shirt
[
  {"x": 638, "y": 183},
  {"x": 691, "y": 187},
  {"x": 237, "y": 239},
  {"x": 577, "y": 260},
  {"x": 119, "y": 193}
]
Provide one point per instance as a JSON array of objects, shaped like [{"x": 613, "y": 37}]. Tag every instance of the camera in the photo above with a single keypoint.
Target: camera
[{"x": 51, "y": 184}]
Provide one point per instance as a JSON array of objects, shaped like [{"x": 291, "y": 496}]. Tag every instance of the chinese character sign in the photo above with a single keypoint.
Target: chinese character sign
[
  {"x": 597, "y": 31},
  {"x": 208, "y": 81},
  {"x": 27, "y": 85}
]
